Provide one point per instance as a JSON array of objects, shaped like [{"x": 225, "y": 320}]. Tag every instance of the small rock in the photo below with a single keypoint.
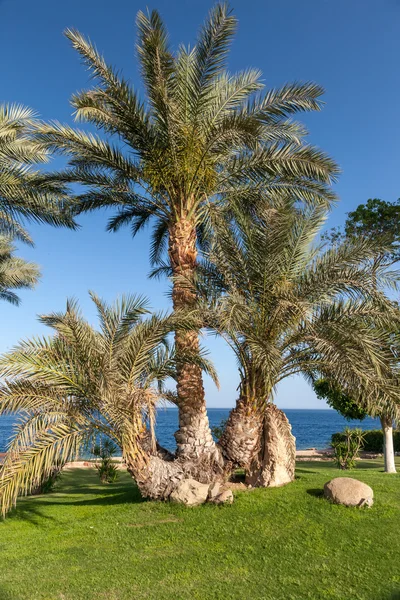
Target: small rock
[
  {"x": 348, "y": 491},
  {"x": 225, "y": 497},
  {"x": 190, "y": 492},
  {"x": 214, "y": 490}
]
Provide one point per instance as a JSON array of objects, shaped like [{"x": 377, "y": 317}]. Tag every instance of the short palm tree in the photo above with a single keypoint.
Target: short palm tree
[
  {"x": 24, "y": 193},
  {"x": 15, "y": 273},
  {"x": 69, "y": 388},
  {"x": 288, "y": 306},
  {"x": 200, "y": 138}
]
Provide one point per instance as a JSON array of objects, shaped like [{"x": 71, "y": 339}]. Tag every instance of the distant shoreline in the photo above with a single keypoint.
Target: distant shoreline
[{"x": 231, "y": 407}]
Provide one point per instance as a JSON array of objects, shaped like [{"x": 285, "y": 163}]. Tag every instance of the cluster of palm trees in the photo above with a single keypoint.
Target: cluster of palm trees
[{"x": 236, "y": 198}]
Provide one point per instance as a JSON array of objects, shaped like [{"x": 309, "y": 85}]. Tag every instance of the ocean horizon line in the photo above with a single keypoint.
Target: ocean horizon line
[{"x": 230, "y": 407}]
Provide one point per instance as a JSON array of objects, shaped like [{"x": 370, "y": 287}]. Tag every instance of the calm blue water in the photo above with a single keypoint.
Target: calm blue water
[{"x": 312, "y": 428}]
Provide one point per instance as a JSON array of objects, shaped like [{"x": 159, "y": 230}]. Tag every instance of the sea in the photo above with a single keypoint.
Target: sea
[{"x": 312, "y": 428}]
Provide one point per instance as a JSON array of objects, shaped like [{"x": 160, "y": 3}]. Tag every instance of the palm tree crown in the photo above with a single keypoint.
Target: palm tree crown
[
  {"x": 287, "y": 305},
  {"x": 24, "y": 193},
  {"x": 202, "y": 134}
]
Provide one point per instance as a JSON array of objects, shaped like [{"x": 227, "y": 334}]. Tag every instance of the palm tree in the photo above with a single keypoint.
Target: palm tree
[
  {"x": 81, "y": 382},
  {"x": 288, "y": 306},
  {"x": 25, "y": 195},
  {"x": 201, "y": 138},
  {"x": 15, "y": 273}
]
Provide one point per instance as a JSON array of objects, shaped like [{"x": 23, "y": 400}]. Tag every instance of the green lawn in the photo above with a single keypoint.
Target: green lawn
[{"x": 92, "y": 542}]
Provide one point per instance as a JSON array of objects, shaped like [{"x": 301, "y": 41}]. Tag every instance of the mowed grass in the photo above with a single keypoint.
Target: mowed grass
[{"x": 87, "y": 541}]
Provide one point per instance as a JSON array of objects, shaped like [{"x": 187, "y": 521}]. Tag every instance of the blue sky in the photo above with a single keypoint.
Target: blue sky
[{"x": 352, "y": 48}]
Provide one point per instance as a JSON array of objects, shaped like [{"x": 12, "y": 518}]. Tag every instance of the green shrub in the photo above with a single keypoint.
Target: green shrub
[
  {"x": 347, "y": 449},
  {"x": 46, "y": 483},
  {"x": 218, "y": 430},
  {"x": 373, "y": 440},
  {"x": 106, "y": 468}
]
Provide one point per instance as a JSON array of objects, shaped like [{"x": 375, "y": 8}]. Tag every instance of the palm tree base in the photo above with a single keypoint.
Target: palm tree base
[
  {"x": 241, "y": 435},
  {"x": 270, "y": 462},
  {"x": 274, "y": 465}
]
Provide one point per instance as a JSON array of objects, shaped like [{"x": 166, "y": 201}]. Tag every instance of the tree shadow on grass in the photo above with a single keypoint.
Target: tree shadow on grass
[
  {"x": 74, "y": 491},
  {"x": 27, "y": 510},
  {"x": 86, "y": 483},
  {"x": 365, "y": 465},
  {"x": 317, "y": 466},
  {"x": 4, "y": 594},
  {"x": 307, "y": 471},
  {"x": 118, "y": 495},
  {"x": 316, "y": 492}
]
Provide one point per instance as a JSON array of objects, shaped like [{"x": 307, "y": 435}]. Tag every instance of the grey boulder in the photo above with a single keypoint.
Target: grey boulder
[{"x": 348, "y": 491}]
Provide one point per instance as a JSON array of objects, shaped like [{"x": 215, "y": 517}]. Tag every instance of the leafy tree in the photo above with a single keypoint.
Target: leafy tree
[
  {"x": 81, "y": 383},
  {"x": 386, "y": 409},
  {"x": 378, "y": 221},
  {"x": 335, "y": 398},
  {"x": 15, "y": 273},
  {"x": 200, "y": 139},
  {"x": 286, "y": 306},
  {"x": 25, "y": 195}
]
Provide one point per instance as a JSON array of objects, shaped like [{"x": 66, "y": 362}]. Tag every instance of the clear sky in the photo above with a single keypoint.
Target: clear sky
[{"x": 351, "y": 47}]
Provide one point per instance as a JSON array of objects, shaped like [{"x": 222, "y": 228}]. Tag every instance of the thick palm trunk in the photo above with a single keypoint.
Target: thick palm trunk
[
  {"x": 194, "y": 438},
  {"x": 155, "y": 477},
  {"x": 274, "y": 464},
  {"x": 262, "y": 444},
  {"x": 388, "y": 448},
  {"x": 157, "y": 472},
  {"x": 241, "y": 438}
]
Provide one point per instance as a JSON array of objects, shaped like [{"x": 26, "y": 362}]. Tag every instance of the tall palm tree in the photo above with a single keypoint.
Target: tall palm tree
[
  {"x": 200, "y": 138},
  {"x": 15, "y": 273},
  {"x": 287, "y": 306},
  {"x": 82, "y": 382},
  {"x": 25, "y": 195}
]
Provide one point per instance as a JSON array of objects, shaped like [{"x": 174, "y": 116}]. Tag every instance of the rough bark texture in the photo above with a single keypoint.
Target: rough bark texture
[
  {"x": 388, "y": 448},
  {"x": 240, "y": 440},
  {"x": 275, "y": 463},
  {"x": 155, "y": 477},
  {"x": 160, "y": 476},
  {"x": 264, "y": 447},
  {"x": 194, "y": 438}
]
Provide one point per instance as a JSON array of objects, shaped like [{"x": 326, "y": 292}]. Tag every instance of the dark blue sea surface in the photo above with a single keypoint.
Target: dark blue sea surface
[{"x": 312, "y": 428}]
